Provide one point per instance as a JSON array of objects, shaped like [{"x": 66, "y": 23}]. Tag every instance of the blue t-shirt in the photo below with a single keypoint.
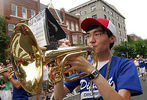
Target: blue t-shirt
[
  {"x": 145, "y": 63},
  {"x": 123, "y": 75},
  {"x": 19, "y": 94},
  {"x": 141, "y": 63}
]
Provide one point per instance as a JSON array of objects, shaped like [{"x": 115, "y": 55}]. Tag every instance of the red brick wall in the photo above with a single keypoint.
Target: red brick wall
[
  {"x": 76, "y": 20},
  {"x": 28, "y": 4}
]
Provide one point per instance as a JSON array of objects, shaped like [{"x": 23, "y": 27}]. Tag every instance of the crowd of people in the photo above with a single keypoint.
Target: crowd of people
[
  {"x": 141, "y": 64},
  {"x": 114, "y": 78},
  {"x": 5, "y": 85},
  {"x": 10, "y": 87}
]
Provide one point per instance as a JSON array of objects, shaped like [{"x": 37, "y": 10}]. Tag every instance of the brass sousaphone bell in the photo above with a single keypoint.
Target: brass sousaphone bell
[{"x": 28, "y": 60}]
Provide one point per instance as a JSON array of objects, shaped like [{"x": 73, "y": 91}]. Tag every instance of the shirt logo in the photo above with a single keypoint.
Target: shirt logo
[{"x": 86, "y": 89}]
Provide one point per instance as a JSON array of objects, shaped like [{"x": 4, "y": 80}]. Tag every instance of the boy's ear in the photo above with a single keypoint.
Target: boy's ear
[{"x": 112, "y": 39}]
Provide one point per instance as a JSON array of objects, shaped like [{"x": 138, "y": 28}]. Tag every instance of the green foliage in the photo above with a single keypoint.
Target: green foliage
[
  {"x": 131, "y": 48},
  {"x": 4, "y": 40},
  {"x": 129, "y": 38},
  {"x": 2, "y": 24}
]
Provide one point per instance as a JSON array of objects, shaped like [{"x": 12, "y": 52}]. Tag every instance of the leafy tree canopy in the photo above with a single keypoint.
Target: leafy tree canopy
[
  {"x": 131, "y": 48},
  {"x": 4, "y": 39}
]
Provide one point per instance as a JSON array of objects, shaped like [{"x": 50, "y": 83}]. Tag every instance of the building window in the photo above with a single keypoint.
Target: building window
[
  {"x": 77, "y": 27},
  {"x": 122, "y": 21},
  {"x": 85, "y": 12},
  {"x": 120, "y": 33},
  {"x": 94, "y": 16},
  {"x": 93, "y": 8},
  {"x": 113, "y": 21},
  {"x": 105, "y": 16},
  {"x": 67, "y": 23},
  {"x": 33, "y": 13},
  {"x": 14, "y": 9},
  {"x": 72, "y": 26},
  {"x": 74, "y": 38},
  {"x": 118, "y": 25},
  {"x": 111, "y": 13},
  {"x": 104, "y": 8},
  {"x": 24, "y": 13},
  {"x": 80, "y": 12},
  {"x": 10, "y": 28},
  {"x": 81, "y": 39},
  {"x": 117, "y": 18},
  {"x": 124, "y": 28}
]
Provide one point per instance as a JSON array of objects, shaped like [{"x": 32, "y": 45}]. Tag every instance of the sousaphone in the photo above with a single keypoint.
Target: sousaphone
[{"x": 26, "y": 58}]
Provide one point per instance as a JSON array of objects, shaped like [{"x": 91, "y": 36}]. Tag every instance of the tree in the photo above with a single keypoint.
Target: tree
[
  {"x": 131, "y": 48},
  {"x": 141, "y": 47},
  {"x": 4, "y": 39}
]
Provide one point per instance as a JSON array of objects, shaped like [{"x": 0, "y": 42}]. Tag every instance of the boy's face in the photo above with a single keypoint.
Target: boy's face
[{"x": 99, "y": 40}]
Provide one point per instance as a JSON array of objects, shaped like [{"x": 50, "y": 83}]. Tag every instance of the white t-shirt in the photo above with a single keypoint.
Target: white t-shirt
[
  {"x": 136, "y": 63},
  {"x": 101, "y": 64},
  {"x": 45, "y": 73}
]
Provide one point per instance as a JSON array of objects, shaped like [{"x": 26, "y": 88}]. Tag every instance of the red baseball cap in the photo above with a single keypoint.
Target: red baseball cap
[{"x": 104, "y": 22}]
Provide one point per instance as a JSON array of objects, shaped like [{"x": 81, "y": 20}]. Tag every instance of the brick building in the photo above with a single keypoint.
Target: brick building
[
  {"x": 135, "y": 37},
  {"x": 16, "y": 11},
  {"x": 70, "y": 24}
]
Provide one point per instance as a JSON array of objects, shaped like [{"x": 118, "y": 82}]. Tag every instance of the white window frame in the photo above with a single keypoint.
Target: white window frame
[
  {"x": 12, "y": 10},
  {"x": 74, "y": 39},
  {"x": 11, "y": 28},
  {"x": 33, "y": 13},
  {"x": 104, "y": 8},
  {"x": 72, "y": 26},
  {"x": 93, "y": 8},
  {"x": 24, "y": 16},
  {"x": 117, "y": 17},
  {"x": 81, "y": 38},
  {"x": 77, "y": 27},
  {"x": 111, "y": 13},
  {"x": 67, "y": 23}
]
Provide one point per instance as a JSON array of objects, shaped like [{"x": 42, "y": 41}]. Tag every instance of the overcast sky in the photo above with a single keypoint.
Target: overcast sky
[{"x": 133, "y": 10}]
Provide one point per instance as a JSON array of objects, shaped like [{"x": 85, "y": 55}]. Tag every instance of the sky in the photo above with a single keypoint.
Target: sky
[{"x": 133, "y": 10}]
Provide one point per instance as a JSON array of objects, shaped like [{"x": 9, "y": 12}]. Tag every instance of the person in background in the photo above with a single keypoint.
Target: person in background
[
  {"x": 5, "y": 89},
  {"x": 136, "y": 63},
  {"x": 141, "y": 67},
  {"x": 45, "y": 83},
  {"x": 1, "y": 65},
  {"x": 123, "y": 55},
  {"x": 18, "y": 92},
  {"x": 145, "y": 62},
  {"x": 2, "y": 85},
  {"x": 8, "y": 63},
  {"x": 115, "y": 78},
  {"x": 5, "y": 86}
]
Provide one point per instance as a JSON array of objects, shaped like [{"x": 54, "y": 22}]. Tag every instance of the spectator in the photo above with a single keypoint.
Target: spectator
[{"x": 142, "y": 67}]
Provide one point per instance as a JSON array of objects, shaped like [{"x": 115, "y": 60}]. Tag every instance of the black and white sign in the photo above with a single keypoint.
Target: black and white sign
[{"x": 46, "y": 29}]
